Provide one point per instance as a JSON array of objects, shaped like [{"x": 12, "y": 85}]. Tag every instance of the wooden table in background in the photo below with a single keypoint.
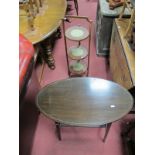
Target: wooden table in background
[{"x": 46, "y": 23}]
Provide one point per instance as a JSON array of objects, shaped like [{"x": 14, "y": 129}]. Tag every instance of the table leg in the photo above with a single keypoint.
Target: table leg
[
  {"x": 48, "y": 45},
  {"x": 42, "y": 71},
  {"x": 58, "y": 131},
  {"x": 48, "y": 54},
  {"x": 58, "y": 33},
  {"x": 76, "y": 7},
  {"x": 40, "y": 3},
  {"x": 107, "y": 128},
  {"x": 37, "y": 6}
]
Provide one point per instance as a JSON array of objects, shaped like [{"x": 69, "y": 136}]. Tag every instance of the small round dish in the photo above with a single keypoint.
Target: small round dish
[
  {"x": 77, "y": 53},
  {"x": 78, "y": 68},
  {"x": 77, "y": 33}
]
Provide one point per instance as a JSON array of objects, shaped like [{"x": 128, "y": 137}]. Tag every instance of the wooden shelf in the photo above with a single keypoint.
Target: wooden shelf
[{"x": 78, "y": 68}]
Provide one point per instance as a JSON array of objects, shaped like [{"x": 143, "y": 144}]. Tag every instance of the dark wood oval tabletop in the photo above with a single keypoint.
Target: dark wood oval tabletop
[{"x": 85, "y": 101}]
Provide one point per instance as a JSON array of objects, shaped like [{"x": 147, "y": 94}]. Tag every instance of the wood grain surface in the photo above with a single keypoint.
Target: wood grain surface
[
  {"x": 130, "y": 55},
  {"x": 46, "y": 22},
  {"x": 84, "y": 101},
  {"x": 122, "y": 58}
]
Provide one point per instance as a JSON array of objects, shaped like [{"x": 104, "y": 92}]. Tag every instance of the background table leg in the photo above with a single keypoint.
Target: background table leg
[
  {"x": 47, "y": 48},
  {"x": 48, "y": 53}
]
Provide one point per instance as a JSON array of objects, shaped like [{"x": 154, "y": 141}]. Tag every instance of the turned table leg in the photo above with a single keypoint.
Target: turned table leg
[
  {"x": 58, "y": 33},
  {"x": 47, "y": 48},
  {"x": 48, "y": 54}
]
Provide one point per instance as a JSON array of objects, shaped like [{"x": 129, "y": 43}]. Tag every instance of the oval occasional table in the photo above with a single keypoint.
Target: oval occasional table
[{"x": 84, "y": 102}]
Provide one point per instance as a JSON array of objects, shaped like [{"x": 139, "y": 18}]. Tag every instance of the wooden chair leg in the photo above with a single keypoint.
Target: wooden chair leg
[
  {"x": 106, "y": 131},
  {"x": 37, "y": 6},
  {"x": 58, "y": 131},
  {"x": 40, "y": 3}
]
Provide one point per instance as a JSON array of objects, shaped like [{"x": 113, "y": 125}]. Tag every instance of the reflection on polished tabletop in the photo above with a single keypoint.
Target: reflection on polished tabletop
[
  {"x": 85, "y": 101},
  {"x": 47, "y": 20}
]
